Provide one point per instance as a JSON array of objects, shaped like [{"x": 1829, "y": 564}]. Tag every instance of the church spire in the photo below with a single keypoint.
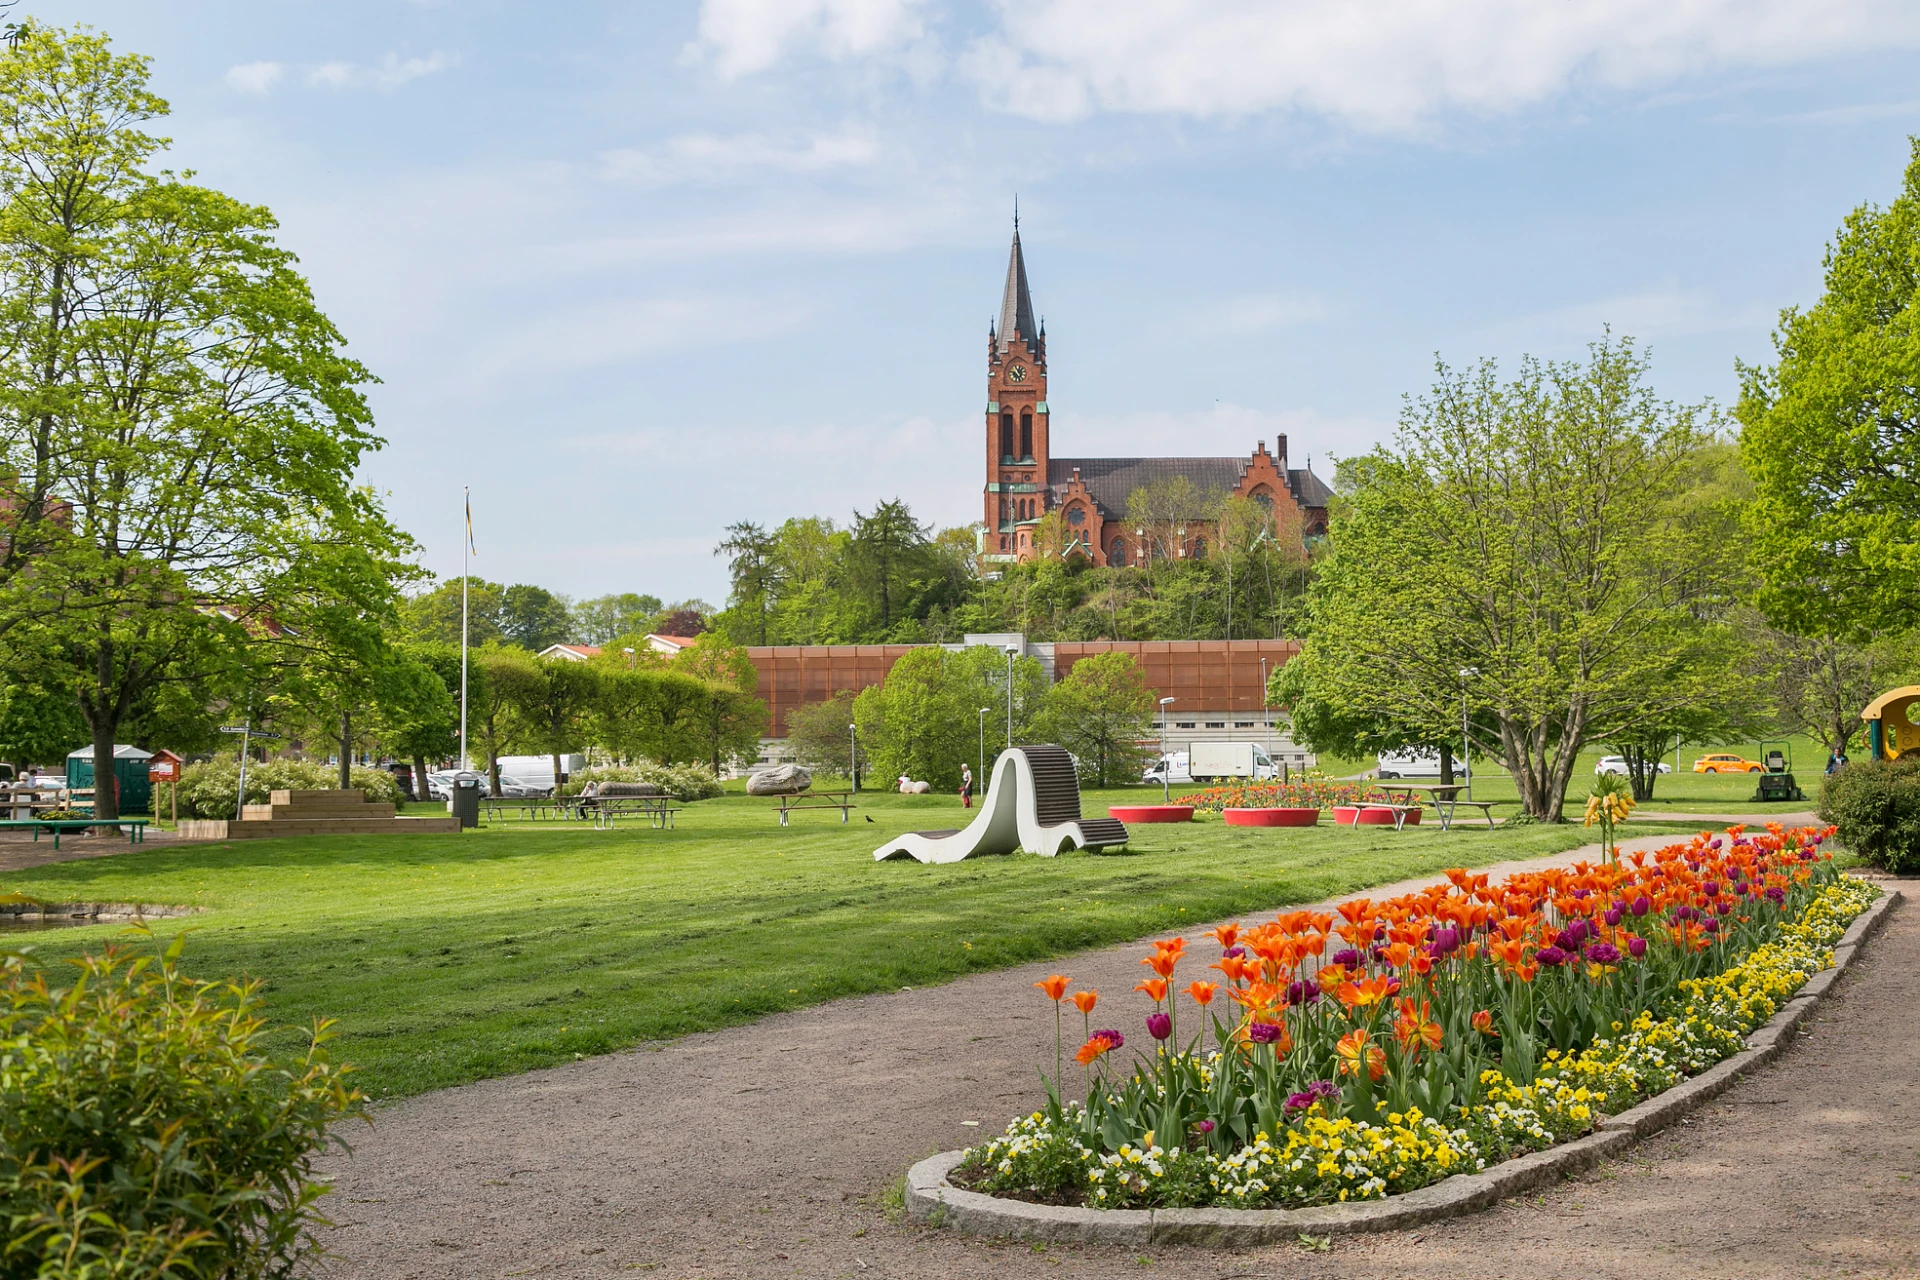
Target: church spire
[{"x": 1016, "y": 303}]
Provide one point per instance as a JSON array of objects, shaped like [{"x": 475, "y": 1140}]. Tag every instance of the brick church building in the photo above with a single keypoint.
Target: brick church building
[{"x": 1026, "y": 479}]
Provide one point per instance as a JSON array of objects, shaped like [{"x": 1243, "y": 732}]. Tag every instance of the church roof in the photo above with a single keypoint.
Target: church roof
[
  {"x": 1112, "y": 480},
  {"x": 1016, "y": 302}
]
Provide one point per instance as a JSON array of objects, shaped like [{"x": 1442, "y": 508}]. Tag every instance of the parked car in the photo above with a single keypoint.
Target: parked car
[
  {"x": 1414, "y": 764},
  {"x": 1726, "y": 764},
  {"x": 1618, "y": 765}
]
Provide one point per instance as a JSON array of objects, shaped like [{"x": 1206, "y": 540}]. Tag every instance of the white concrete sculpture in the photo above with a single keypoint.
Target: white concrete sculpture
[{"x": 1032, "y": 804}]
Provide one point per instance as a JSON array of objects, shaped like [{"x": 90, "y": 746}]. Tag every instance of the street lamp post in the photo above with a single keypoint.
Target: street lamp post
[
  {"x": 629, "y": 654},
  {"x": 1166, "y": 764},
  {"x": 853, "y": 760},
  {"x": 1466, "y": 747},
  {"x": 984, "y": 711},
  {"x": 1013, "y": 651}
]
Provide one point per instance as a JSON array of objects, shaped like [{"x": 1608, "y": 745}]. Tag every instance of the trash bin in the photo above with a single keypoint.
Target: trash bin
[{"x": 463, "y": 799}]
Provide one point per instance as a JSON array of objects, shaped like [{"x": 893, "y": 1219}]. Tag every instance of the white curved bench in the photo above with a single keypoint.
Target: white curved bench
[{"x": 1032, "y": 804}]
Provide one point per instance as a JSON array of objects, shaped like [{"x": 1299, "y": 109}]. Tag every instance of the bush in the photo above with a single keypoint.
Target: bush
[
  {"x": 684, "y": 782},
  {"x": 1876, "y": 807},
  {"x": 207, "y": 790},
  {"x": 143, "y": 1132}
]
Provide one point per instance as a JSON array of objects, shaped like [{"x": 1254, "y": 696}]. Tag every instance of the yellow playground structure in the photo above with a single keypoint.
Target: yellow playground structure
[{"x": 1893, "y": 722}]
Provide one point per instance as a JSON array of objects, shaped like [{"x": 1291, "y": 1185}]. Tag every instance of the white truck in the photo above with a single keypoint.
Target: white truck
[{"x": 1213, "y": 761}]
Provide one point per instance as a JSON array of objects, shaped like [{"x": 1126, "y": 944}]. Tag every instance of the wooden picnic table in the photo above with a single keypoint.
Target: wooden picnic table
[
  {"x": 136, "y": 827},
  {"x": 1443, "y": 796},
  {"x": 658, "y": 810},
  {"x": 841, "y": 800}
]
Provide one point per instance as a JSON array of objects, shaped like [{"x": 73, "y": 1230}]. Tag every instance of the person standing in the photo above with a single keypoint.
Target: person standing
[{"x": 966, "y": 786}]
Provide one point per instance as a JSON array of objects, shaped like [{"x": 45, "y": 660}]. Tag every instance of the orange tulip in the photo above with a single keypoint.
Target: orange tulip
[
  {"x": 1055, "y": 986},
  {"x": 1094, "y": 1048},
  {"x": 1330, "y": 977},
  {"x": 1224, "y": 935},
  {"x": 1483, "y": 1022},
  {"x": 1354, "y": 1048},
  {"x": 1162, "y": 962},
  {"x": 1154, "y": 987},
  {"x": 1371, "y": 991},
  {"x": 1085, "y": 1000},
  {"x": 1202, "y": 992}
]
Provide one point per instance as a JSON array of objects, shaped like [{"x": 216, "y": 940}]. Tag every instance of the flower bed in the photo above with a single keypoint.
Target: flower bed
[
  {"x": 1276, "y": 817},
  {"x": 1390, "y": 1045},
  {"x": 1150, "y": 813},
  {"x": 1302, "y": 791}
]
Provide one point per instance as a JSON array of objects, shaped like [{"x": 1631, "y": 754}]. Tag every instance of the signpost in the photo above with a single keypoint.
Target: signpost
[{"x": 247, "y": 734}]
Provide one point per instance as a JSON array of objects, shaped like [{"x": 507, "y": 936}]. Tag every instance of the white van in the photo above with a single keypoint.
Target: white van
[
  {"x": 1213, "y": 762},
  {"x": 1415, "y": 763}
]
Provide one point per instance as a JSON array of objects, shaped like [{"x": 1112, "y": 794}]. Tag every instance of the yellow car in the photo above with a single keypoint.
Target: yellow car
[{"x": 1725, "y": 764}]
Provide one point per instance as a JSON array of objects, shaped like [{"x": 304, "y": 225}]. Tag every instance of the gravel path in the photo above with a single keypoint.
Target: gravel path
[{"x": 768, "y": 1150}]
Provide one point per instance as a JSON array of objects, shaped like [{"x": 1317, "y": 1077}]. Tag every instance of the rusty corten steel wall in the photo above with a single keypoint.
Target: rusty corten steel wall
[
  {"x": 1203, "y": 675},
  {"x": 793, "y": 675}
]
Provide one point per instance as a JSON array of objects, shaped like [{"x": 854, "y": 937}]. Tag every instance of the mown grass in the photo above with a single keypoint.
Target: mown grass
[{"x": 447, "y": 959}]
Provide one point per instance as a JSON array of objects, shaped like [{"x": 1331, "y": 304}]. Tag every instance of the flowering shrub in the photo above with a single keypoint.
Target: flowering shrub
[
  {"x": 684, "y": 782},
  {"x": 209, "y": 789},
  {"x": 1449, "y": 1029},
  {"x": 1302, "y": 791}
]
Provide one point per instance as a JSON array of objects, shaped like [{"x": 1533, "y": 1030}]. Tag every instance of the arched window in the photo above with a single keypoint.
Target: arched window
[
  {"x": 1264, "y": 496},
  {"x": 1006, "y": 435},
  {"x": 1026, "y": 433},
  {"x": 1118, "y": 556},
  {"x": 1003, "y": 542},
  {"x": 1077, "y": 516}
]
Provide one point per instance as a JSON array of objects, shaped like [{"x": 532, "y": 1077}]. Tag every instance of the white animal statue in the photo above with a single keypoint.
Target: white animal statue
[{"x": 908, "y": 787}]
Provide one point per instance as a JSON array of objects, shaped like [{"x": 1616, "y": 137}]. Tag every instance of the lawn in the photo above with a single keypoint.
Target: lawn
[{"x": 447, "y": 959}]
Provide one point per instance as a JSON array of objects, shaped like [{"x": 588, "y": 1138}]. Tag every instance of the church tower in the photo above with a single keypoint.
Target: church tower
[{"x": 1016, "y": 491}]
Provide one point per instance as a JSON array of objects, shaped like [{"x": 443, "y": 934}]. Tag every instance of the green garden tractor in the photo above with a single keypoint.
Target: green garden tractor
[{"x": 1776, "y": 780}]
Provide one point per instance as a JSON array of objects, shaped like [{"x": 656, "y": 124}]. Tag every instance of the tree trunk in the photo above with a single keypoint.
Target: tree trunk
[
  {"x": 106, "y": 783},
  {"x": 346, "y": 750},
  {"x": 418, "y": 785},
  {"x": 1446, "y": 764},
  {"x": 493, "y": 772},
  {"x": 558, "y": 781}
]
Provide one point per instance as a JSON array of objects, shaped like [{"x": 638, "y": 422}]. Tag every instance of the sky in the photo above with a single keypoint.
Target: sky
[{"x": 637, "y": 271}]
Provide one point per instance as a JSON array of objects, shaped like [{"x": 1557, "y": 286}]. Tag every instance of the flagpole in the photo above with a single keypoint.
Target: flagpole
[{"x": 466, "y": 545}]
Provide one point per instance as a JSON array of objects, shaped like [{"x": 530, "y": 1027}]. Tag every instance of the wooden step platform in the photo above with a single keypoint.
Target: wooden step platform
[{"x": 312, "y": 813}]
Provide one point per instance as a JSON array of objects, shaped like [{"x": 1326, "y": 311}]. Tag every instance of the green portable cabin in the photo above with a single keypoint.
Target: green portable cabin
[{"x": 129, "y": 771}]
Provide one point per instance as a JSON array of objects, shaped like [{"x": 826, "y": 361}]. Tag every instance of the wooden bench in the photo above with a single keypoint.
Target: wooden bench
[
  {"x": 136, "y": 827},
  {"x": 503, "y": 807},
  {"x": 841, "y": 800},
  {"x": 658, "y": 810},
  {"x": 1445, "y": 809}
]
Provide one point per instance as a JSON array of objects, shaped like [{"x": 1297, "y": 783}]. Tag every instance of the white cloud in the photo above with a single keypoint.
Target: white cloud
[
  {"x": 705, "y": 156},
  {"x": 744, "y": 36},
  {"x": 391, "y": 72},
  {"x": 254, "y": 77}
]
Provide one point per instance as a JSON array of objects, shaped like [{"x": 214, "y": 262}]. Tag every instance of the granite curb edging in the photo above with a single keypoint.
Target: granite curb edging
[{"x": 931, "y": 1199}]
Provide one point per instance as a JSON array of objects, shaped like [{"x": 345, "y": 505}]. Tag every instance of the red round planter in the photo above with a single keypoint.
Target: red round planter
[
  {"x": 1151, "y": 812},
  {"x": 1271, "y": 817},
  {"x": 1344, "y": 815}
]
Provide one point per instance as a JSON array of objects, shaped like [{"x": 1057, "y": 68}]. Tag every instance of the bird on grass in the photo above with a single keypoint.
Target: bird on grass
[{"x": 867, "y": 816}]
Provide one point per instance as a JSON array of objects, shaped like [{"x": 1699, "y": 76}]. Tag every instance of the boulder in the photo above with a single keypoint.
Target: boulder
[{"x": 781, "y": 780}]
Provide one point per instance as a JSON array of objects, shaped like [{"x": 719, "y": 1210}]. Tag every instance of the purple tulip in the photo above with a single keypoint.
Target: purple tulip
[
  {"x": 1263, "y": 1033},
  {"x": 1550, "y": 956},
  {"x": 1636, "y": 947},
  {"x": 1205, "y": 1126},
  {"x": 1349, "y": 959},
  {"x": 1603, "y": 953},
  {"x": 1711, "y": 888},
  {"x": 1300, "y": 1101},
  {"x": 1159, "y": 1026},
  {"x": 1710, "y": 925},
  {"x": 1714, "y": 843},
  {"x": 1777, "y": 896},
  {"x": 1613, "y": 916},
  {"x": 1114, "y": 1039},
  {"x": 1233, "y": 951},
  {"x": 1642, "y": 905},
  {"x": 1570, "y": 938},
  {"x": 1303, "y": 993}
]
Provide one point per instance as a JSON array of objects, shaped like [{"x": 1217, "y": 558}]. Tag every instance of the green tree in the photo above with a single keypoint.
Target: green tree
[
  {"x": 728, "y": 721},
  {"x": 179, "y": 418},
  {"x": 888, "y": 548},
  {"x": 817, "y": 734},
  {"x": 419, "y": 707},
  {"x": 552, "y": 699},
  {"x": 753, "y": 566},
  {"x": 924, "y": 721},
  {"x": 1831, "y": 434},
  {"x": 534, "y": 618},
  {"x": 1101, "y": 712},
  {"x": 1542, "y": 535},
  {"x": 604, "y": 619},
  {"x": 1822, "y": 682},
  {"x": 433, "y": 617},
  {"x": 507, "y": 679}
]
